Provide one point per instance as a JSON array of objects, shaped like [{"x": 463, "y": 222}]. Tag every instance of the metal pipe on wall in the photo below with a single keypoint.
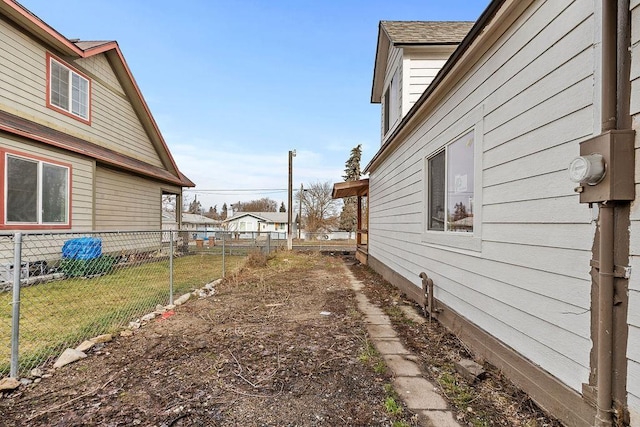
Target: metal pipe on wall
[{"x": 606, "y": 224}]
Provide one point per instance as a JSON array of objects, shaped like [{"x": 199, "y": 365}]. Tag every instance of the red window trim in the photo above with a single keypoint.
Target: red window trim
[
  {"x": 48, "y": 90},
  {"x": 18, "y": 226}
]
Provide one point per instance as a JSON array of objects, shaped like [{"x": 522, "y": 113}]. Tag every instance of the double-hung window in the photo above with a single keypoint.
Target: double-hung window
[
  {"x": 68, "y": 90},
  {"x": 36, "y": 192},
  {"x": 450, "y": 175}
]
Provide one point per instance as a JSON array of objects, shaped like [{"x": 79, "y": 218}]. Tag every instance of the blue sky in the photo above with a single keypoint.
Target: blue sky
[{"x": 235, "y": 85}]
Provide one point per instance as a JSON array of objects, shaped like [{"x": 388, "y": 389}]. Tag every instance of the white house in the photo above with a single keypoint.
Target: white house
[
  {"x": 257, "y": 222},
  {"x": 470, "y": 189},
  {"x": 199, "y": 225}
]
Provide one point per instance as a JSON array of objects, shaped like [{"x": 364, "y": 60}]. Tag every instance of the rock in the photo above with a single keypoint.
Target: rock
[
  {"x": 37, "y": 380},
  {"x": 85, "y": 346},
  {"x": 70, "y": 355},
  {"x": 8, "y": 384},
  {"x": 36, "y": 373},
  {"x": 159, "y": 307},
  {"x": 184, "y": 298},
  {"x": 170, "y": 307},
  {"x": 126, "y": 333},
  {"x": 102, "y": 338},
  {"x": 133, "y": 325},
  {"x": 470, "y": 370},
  {"x": 25, "y": 381},
  {"x": 148, "y": 317},
  {"x": 47, "y": 375}
]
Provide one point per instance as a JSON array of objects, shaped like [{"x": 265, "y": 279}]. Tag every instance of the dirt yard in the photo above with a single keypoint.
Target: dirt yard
[{"x": 276, "y": 345}]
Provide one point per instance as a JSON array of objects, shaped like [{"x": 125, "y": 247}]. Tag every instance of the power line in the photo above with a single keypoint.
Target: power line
[{"x": 239, "y": 190}]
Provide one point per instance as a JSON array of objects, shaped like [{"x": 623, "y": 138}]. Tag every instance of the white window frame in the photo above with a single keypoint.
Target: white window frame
[
  {"x": 39, "y": 208},
  {"x": 469, "y": 242},
  {"x": 73, "y": 95}
]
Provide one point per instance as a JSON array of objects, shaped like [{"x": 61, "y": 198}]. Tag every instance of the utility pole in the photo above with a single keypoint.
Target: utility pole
[
  {"x": 300, "y": 214},
  {"x": 292, "y": 154}
]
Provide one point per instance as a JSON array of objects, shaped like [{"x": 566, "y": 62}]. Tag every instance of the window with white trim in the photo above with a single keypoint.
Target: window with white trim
[
  {"x": 68, "y": 90},
  {"x": 391, "y": 103},
  {"x": 36, "y": 192},
  {"x": 451, "y": 183}
]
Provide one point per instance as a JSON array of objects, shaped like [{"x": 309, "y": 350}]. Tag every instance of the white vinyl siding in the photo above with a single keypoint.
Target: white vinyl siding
[
  {"x": 114, "y": 123},
  {"x": 126, "y": 202},
  {"x": 633, "y": 345},
  {"x": 421, "y": 68},
  {"x": 528, "y": 282}
]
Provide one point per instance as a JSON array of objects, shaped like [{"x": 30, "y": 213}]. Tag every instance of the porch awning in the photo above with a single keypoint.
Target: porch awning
[{"x": 351, "y": 188}]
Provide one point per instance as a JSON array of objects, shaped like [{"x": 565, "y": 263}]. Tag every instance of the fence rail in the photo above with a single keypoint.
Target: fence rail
[{"x": 58, "y": 289}]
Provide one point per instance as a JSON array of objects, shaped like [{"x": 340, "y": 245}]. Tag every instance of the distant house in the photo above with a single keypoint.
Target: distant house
[
  {"x": 199, "y": 225},
  {"x": 79, "y": 148},
  {"x": 257, "y": 222},
  {"x": 470, "y": 193}
]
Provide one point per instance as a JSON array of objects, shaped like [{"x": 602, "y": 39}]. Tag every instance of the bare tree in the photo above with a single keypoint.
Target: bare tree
[
  {"x": 261, "y": 205},
  {"x": 320, "y": 210},
  {"x": 169, "y": 202}
]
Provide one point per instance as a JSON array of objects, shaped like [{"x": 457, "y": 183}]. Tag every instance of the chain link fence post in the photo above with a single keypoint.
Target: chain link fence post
[
  {"x": 15, "y": 312},
  {"x": 223, "y": 255},
  {"x": 171, "y": 267}
]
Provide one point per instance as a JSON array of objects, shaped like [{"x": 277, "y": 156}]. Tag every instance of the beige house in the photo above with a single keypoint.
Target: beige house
[
  {"x": 469, "y": 194},
  {"x": 79, "y": 148}
]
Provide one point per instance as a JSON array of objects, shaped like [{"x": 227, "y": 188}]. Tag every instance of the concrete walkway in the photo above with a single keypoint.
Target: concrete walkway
[{"x": 418, "y": 393}]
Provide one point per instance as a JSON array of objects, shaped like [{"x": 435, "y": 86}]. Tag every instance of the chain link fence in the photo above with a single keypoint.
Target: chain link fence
[{"x": 58, "y": 289}]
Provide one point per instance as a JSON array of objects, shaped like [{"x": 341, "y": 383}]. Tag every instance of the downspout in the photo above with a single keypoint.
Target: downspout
[{"x": 606, "y": 224}]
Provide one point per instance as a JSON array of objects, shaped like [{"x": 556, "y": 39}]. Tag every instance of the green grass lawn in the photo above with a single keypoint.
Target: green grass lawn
[{"x": 61, "y": 313}]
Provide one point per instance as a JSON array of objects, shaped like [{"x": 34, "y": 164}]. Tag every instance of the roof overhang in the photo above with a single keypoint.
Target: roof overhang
[
  {"x": 380, "y": 65},
  {"x": 78, "y": 49},
  {"x": 497, "y": 15},
  {"x": 24, "y": 128},
  {"x": 351, "y": 188}
]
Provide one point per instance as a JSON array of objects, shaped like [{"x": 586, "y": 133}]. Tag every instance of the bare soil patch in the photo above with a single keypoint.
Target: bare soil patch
[
  {"x": 280, "y": 343},
  {"x": 493, "y": 401},
  {"x": 277, "y": 345}
]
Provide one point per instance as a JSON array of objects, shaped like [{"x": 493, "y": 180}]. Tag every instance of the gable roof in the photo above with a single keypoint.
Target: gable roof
[
  {"x": 469, "y": 44},
  {"x": 425, "y": 32},
  {"x": 279, "y": 217},
  {"x": 39, "y": 29},
  {"x": 412, "y": 33},
  {"x": 25, "y": 128},
  {"x": 190, "y": 218}
]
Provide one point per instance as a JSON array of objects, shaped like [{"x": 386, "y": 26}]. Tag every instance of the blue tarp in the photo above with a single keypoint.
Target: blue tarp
[{"x": 82, "y": 248}]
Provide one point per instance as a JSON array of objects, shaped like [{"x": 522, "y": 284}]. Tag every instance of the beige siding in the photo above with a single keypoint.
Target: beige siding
[
  {"x": 633, "y": 346},
  {"x": 126, "y": 202},
  {"x": 528, "y": 282},
  {"x": 81, "y": 177},
  {"x": 23, "y": 82}
]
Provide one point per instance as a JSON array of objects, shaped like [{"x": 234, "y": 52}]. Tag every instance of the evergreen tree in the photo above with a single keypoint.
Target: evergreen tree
[
  {"x": 223, "y": 214},
  {"x": 282, "y": 208},
  {"x": 195, "y": 206},
  {"x": 349, "y": 214}
]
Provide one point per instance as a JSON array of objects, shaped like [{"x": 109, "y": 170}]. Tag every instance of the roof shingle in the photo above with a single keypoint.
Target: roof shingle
[{"x": 426, "y": 32}]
